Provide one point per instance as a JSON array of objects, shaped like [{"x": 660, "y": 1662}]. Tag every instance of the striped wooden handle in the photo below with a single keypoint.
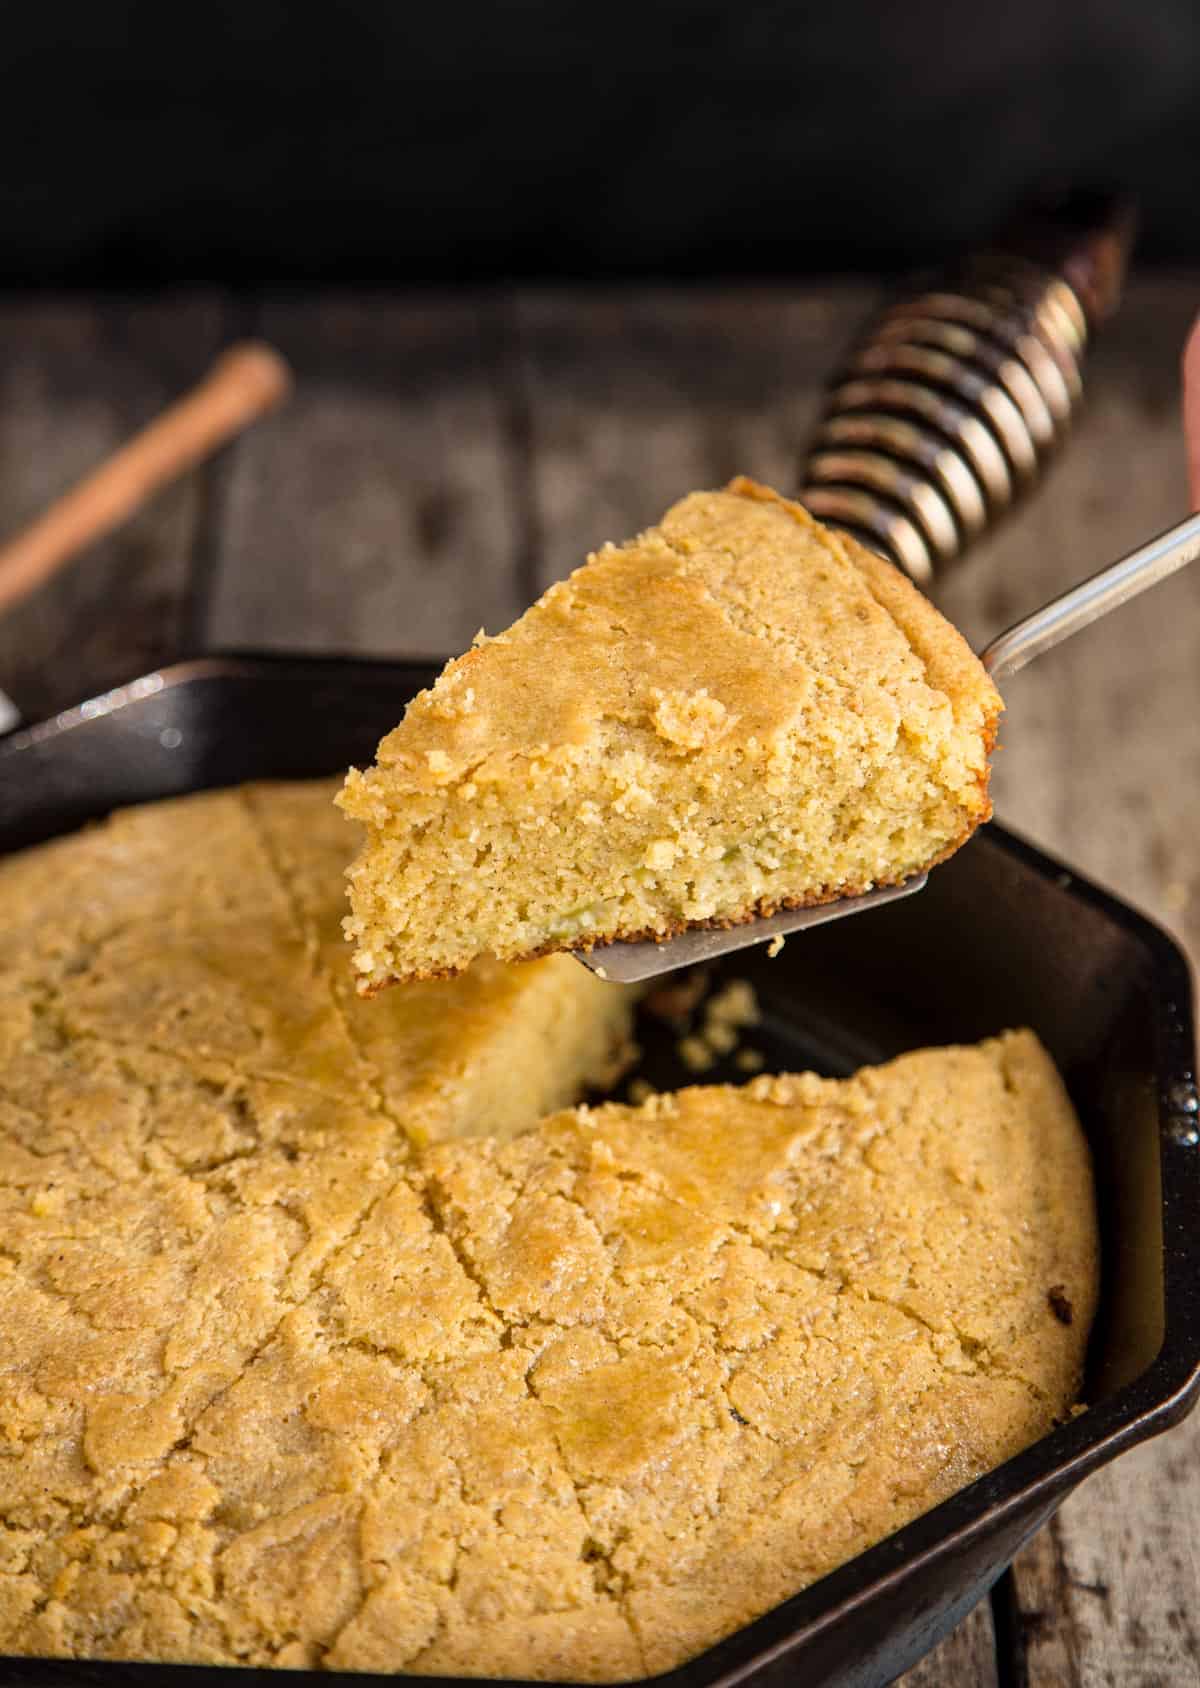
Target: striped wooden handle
[{"x": 246, "y": 382}]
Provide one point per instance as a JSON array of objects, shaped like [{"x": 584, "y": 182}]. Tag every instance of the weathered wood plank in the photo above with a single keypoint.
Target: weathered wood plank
[
  {"x": 639, "y": 396},
  {"x": 1101, "y": 763},
  {"x": 1107, "y": 1593},
  {"x": 76, "y": 378},
  {"x": 965, "y": 1659},
  {"x": 374, "y": 512}
]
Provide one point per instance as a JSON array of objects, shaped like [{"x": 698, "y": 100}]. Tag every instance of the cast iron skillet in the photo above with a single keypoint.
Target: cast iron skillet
[{"x": 1003, "y": 936}]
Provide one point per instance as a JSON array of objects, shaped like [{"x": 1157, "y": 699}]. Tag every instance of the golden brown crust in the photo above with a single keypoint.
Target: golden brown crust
[
  {"x": 292, "y": 1387},
  {"x": 951, "y": 664},
  {"x": 734, "y": 713}
]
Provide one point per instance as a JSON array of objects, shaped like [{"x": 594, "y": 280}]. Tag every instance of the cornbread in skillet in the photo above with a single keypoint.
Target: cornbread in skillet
[
  {"x": 735, "y": 712},
  {"x": 207, "y": 929},
  {"x": 490, "y": 1051},
  {"x": 279, "y": 1387}
]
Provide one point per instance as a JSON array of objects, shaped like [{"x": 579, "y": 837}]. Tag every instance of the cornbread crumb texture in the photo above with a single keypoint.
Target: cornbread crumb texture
[
  {"x": 279, "y": 1390},
  {"x": 736, "y": 710}
]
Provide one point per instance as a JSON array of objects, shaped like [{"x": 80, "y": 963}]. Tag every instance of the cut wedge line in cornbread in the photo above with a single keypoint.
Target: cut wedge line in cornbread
[
  {"x": 736, "y": 712},
  {"x": 570, "y": 1407},
  {"x": 207, "y": 929}
]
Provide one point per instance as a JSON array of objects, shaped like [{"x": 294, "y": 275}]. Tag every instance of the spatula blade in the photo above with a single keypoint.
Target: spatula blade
[{"x": 632, "y": 963}]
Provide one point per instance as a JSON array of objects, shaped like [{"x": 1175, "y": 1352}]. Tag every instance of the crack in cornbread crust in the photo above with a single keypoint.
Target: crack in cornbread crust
[
  {"x": 280, "y": 1389},
  {"x": 524, "y": 1021},
  {"x": 173, "y": 1207},
  {"x": 307, "y": 876},
  {"x": 207, "y": 929},
  {"x": 681, "y": 654}
]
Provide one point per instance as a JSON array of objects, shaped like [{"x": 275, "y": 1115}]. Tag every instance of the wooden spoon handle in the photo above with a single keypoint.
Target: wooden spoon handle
[{"x": 246, "y": 382}]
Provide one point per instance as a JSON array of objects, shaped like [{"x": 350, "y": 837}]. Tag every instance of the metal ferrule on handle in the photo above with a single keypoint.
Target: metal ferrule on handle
[
  {"x": 1087, "y": 602},
  {"x": 962, "y": 391}
]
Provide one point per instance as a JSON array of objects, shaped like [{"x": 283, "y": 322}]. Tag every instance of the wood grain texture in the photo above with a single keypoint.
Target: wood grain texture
[
  {"x": 1106, "y": 1594},
  {"x": 638, "y": 397},
  {"x": 374, "y": 512},
  {"x": 76, "y": 379}
]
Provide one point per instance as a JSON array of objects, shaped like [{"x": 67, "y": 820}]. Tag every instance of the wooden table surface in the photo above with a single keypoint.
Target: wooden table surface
[{"x": 443, "y": 459}]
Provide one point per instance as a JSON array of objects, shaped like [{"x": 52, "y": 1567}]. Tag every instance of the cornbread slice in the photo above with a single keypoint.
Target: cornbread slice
[
  {"x": 569, "y": 1406},
  {"x": 737, "y": 711}
]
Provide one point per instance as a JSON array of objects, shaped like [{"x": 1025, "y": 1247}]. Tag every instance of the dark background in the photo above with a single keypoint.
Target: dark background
[{"x": 266, "y": 139}]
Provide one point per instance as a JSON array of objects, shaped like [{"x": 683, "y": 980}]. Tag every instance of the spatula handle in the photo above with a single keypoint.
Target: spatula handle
[
  {"x": 1113, "y": 586},
  {"x": 246, "y": 382},
  {"x": 964, "y": 388}
]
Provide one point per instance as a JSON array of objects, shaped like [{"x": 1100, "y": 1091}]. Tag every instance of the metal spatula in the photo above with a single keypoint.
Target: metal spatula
[{"x": 630, "y": 963}]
